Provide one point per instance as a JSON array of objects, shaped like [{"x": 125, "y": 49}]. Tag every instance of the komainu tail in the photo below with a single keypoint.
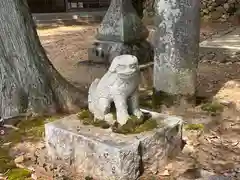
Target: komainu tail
[{"x": 92, "y": 95}]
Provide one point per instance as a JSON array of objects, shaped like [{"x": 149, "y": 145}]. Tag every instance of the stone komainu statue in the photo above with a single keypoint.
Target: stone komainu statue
[{"x": 118, "y": 85}]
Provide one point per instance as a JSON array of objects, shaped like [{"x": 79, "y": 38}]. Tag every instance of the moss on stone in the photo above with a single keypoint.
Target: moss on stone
[
  {"x": 87, "y": 118},
  {"x": 85, "y": 114},
  {"x": 196, "y": 127},
  {"x": 212, "y": 107},
  {"x": 147, "y": 126},
  {"x": 101, "y": 123},
  {"x": 135, "y": 125},
  {"x": 19, "y": 174}
]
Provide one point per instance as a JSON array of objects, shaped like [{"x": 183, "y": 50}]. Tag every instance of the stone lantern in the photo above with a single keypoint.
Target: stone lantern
[{"x": 121, "y": 32}]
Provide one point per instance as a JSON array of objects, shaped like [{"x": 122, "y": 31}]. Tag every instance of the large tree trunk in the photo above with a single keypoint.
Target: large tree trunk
[{"x": 28, "y": 81}]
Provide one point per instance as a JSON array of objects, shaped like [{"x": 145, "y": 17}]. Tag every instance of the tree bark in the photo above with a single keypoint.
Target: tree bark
[{"x": 28, "y": 81}]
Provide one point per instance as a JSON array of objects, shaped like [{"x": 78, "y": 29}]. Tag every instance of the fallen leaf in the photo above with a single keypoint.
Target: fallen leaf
[
  {"x": 164, "y": 173},
  {"x": 19, "y": 159}
]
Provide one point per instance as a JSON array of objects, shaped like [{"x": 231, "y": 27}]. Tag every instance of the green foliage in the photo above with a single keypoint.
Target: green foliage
[{"x": 196, "y": 127}]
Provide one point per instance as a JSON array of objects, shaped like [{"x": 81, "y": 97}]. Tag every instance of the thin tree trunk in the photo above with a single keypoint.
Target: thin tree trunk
[{"x": 28, "y": 81}]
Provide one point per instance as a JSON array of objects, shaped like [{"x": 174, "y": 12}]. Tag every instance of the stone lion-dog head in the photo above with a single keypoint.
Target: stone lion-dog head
[{"x": 124, "y": 65}]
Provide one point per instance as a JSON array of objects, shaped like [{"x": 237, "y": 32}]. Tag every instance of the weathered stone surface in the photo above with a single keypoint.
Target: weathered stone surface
[
  {"x": 176, "y": 44},
  {"x": 106, "y": 155},
  {"x": 121, "y": 32},
  {"x": 122, "y": 24}
]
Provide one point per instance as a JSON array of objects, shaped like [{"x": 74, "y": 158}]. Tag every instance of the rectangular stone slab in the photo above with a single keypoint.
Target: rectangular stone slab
[{"x": 104, "y": 155}]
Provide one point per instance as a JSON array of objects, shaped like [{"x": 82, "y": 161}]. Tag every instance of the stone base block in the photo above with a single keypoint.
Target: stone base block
[{"x": 105, "y": 155}]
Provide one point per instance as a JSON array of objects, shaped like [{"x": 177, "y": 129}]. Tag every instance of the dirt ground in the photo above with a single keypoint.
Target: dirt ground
[
  {"x": 66, "y": 46},
  {"x": 212, "y": 150}
]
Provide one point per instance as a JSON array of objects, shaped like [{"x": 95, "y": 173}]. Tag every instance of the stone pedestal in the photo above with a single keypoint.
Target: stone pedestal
[
  {"x": 121, "y": 32},
  {"x": 176, "y": 47},
  {"x": 104, "y": 155}
]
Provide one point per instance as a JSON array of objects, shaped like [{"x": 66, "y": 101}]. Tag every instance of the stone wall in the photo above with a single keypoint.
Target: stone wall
[
  {"x": 219, "y": 9},
  {"x": 210, "y": 9}
]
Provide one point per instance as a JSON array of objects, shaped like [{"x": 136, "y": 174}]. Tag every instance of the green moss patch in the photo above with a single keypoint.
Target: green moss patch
[
  {"x": 212, "y": 107},
  {"x": 133, "y": 125},
  {"x": 87, "y": 118},
  {"x": 6, "y": 162},
  {"x": 196, "y": 127},
  {"x": 19, "y": 174},
  {"x": 28, "y": 130},
  {"x": 85, "y": 114},
  {"x": 31, "y": 129}
]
